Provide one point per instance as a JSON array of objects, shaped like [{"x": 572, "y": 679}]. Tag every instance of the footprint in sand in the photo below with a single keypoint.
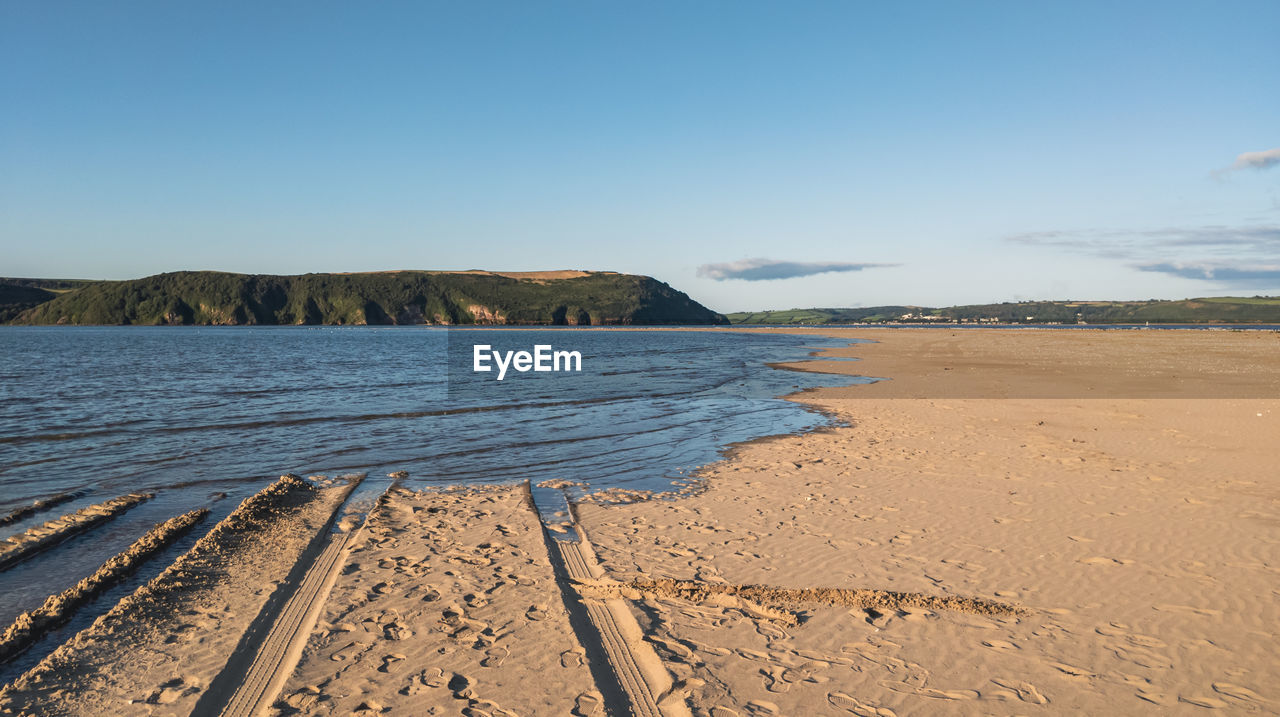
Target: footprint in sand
[
  {"x": 773, "y": 680},
  {"x": 588, "y": 704},
  {"x": 771, "y": 631},
  {"x": 494, "y": 656},
  {"x": 573, "y": 658},
  {"x": 1025, "y": 691},
  {"x": 486, "y": 708},
  {"x": 461, "y": 686},
  {"x": 351, "y": 650},
  {"x": 805, "y": 672},
  {"x": 878, "y": 619},
  {"x": 369, "y": 707},
  {"x": 721, "y": 711},
  {"x": 762, "y": 708},
  {"x": 842, "y": 701},
  {"x": 305, "y": 699},
  {"x": 174, "y": 690},
  {"x": 392, "y": 662},
  {"x": 431, "y": 678},
  {"x": 752, "y": 655},
  {"x": 536, "y": 612},
  {"x": 397, "y": 631}
]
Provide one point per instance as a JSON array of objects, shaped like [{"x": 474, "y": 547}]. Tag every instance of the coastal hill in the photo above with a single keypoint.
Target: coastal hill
[
  {"x": 1213, "y": 310},
  {"x": 393, "y": 297}
]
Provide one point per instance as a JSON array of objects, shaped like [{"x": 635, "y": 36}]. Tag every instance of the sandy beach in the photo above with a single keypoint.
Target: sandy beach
[
  {"x": 1016, "y": 522},
  {"x": 1119, "y": 486}
]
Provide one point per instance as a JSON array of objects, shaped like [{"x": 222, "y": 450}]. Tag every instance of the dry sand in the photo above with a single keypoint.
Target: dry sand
[{"x": 1139, "y": 534}]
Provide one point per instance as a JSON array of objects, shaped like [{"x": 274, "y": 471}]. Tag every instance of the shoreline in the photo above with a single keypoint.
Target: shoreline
[{"x": 1114, "y": 553}]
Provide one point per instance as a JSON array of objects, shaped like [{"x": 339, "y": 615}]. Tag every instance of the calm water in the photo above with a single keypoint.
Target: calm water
[{"x": 195, "y": 413}]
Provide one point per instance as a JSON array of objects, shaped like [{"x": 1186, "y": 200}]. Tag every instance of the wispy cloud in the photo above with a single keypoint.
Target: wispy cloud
[
  {"x": 1230, "y": 255},
  {"x": 767, "y": 269},
  {"x": 1266, "y": 159},
  {"x": 1242, "y": 274},
  {"x": 1251, "y": 239}
]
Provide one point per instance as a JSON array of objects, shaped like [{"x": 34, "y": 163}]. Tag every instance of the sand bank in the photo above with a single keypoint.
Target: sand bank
[{"x": 1139, "y": 535}]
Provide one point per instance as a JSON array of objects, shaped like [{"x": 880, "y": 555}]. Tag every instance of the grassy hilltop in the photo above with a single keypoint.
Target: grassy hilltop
[
  {"x": 1215, "y": 310},
  {"x": 400, "y": 297}
]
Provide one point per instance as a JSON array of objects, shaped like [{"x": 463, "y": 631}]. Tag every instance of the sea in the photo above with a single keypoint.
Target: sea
[{"x": 206, "y": 416}]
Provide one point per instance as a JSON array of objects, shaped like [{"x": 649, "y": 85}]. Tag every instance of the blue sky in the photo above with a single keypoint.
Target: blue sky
[{"x": 931, "y": 153}]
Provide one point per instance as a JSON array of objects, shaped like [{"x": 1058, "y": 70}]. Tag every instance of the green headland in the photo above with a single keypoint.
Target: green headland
[{"x": 394, "y": 297}]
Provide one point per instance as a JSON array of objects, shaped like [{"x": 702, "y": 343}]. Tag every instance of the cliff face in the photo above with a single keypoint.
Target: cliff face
[{"x": 406, "y": 297}]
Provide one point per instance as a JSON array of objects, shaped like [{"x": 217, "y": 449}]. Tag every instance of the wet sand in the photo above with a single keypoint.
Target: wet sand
[{"x": 1050, "y": 522}]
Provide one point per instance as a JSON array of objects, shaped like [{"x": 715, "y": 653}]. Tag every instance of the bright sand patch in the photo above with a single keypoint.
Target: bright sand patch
[{"x": 1141, "y": 534}]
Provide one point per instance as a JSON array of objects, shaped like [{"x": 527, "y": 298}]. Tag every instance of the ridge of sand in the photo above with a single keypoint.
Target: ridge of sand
[
  {"x": 37, "y": 506},
  {"x": 42, "y": 537},
  {"x": 761, "y": 598},
  {"x": 57, "y": 609},
  {"x": 160, "y": 647}
]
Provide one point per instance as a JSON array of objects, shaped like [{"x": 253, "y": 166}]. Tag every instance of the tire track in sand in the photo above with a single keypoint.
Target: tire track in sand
[
  {"x": 258, "y": 670},
  {"x": 640, "y": 673}
]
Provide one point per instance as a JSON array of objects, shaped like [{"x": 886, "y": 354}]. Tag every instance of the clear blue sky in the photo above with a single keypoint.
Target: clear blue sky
[{"x": 983, "y": 150}]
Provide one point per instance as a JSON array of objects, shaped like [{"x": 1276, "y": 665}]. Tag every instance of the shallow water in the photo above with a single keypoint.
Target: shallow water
[{"x": 192, "y": 413}]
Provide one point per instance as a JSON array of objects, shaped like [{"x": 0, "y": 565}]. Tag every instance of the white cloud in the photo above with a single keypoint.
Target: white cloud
[
  {"x": 767, "y": 269},
  {"x": 1266, "y": 159}
]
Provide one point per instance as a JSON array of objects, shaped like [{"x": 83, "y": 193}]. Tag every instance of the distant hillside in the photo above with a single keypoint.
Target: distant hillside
[
  {"x": 401, "y": 297},
  {"x": 1214, "y": 310},
  {"x": 17, "y": 298}
]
